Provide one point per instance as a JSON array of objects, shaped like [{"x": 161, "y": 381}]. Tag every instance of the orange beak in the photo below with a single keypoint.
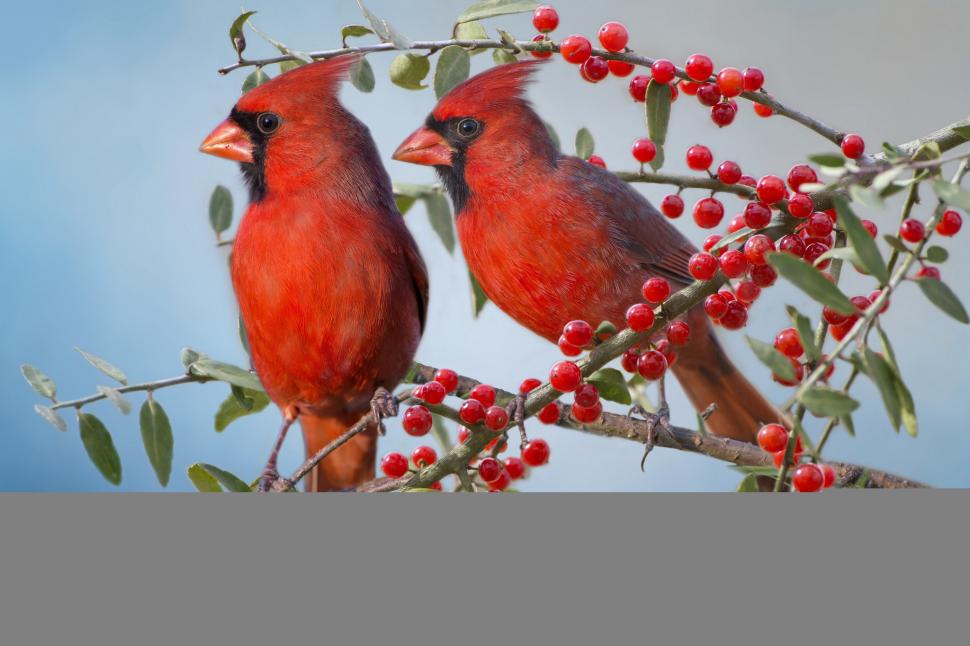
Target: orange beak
[
  {"x": 229, "y": 141},
  {"x": 426, "y": 147}
]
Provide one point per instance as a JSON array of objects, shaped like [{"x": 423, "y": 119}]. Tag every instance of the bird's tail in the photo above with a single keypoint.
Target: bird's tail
[
  {"x": 708, "y": 376},
  {"x": 350, "y": 465}
]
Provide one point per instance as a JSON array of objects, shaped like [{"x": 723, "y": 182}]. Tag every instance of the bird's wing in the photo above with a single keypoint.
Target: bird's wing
[{"x": 419, "y": 275}]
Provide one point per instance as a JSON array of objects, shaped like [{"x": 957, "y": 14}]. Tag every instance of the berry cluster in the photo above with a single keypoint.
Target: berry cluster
[{"x": 807, "y": 477}]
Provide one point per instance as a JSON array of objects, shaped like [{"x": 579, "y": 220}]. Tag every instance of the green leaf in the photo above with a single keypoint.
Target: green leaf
[
  {"x": 188, "y": 356},
  {"x": 454, "y": 64},
  {"x": 362, "y": 75},
  {"x": 243, "y": 337},
  {"x": 776, "y": 361},
  {"x": 286, "y": 66},
  {"x": 952, "y": 194},
  {"x": 226, "y": 479},
  {"x": 927, "y": 151},
  {"x": 220, "y": 210},
  {"x": 604, "y": 330},
  {"x": 439, "y": 215},
  {"x": 353, "y": 31},
  {"x": 202, "y": 479},
  {"x": 748, "y": 484},
  {"x": 503, "y": 57},
  {"x": 584, "y": 143},
  {"x": 100, "y": 447},
  {"x": 255, "y": 79},
  {"x": 866, "y": 197},
  {"x": 553, "y": 135},
  {"x": 408, "y": 70},
  {"x": 479, "y": 298},
  {"x": 226, "y": 372},
  {"x": 830, "y": 160},
  {"x": 404, "y": 203},
  {"x": 803, "y": 326},
  {"x": 471, "y": 30},
  {"x": 885, "y": 178},
  {"x": 882, "y": 376},
  {"x": 611, "y": 385},
  {"x": 892, "y": 151},
  {"x": 413, "y": 190},
  {"x": 40, "y": 382},
  {"x": 236, "y": 36},
  {"x": 731, "y": 238},
  {"x": 860, "y": 240},
  {"x": 827, "y": 402},
  {"x": 116, "y": 398},
  {"x": 937, "y": 254},
  {"x": 811, "y": 281},
  {"x": 943, "y": 297},
  {"x": 701, "y": 426},
  {"x": 896, "y": 244},
  {"x": 491, "y": 8},
  {"x": 906, "y": 403},
  {"x": 234, "y": 406},
  {"x": 385, "y": 30},
  {"x": 658, "y": 118},
  {"x": 963, "y": 131},
  {"x": 51, "y": 416},
  {"x": 103, "y": 366},
  {"x": 156, "y": 435},
  {"x": 848, "y": 424}
]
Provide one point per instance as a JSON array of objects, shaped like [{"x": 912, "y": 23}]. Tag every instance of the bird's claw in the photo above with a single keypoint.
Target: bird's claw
[
  {"x": 516, "y": 411},
  {"x": 271, "y": 480},
  {"x": 382, "y": 406},
  {"x": 661, "y": 420}
]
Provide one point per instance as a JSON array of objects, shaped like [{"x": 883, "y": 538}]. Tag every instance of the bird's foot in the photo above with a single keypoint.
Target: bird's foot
[
  {"x": 382, "y": 406},
  {"x": 516, "y": 410},
  {"x": 657, "y": 424},
  {"x": 271, "y": 480},
  {"x": 270, "y": 475}
]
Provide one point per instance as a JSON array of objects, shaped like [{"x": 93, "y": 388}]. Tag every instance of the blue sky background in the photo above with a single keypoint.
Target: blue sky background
[{"x": 105, "y": 242}]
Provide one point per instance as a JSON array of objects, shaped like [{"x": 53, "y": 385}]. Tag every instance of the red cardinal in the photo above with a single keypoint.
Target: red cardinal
[
  {"x": 331, "y": 287},
  {"x": 552, "y": 238}
]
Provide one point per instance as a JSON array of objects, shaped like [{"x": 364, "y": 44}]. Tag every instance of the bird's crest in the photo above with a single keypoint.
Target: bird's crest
[
  {"x": 499, "y": 85},
  {"x": 315, "y": 81}
]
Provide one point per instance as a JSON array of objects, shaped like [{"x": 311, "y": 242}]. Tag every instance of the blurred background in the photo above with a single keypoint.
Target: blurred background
[{"x": 105, "y": 240}]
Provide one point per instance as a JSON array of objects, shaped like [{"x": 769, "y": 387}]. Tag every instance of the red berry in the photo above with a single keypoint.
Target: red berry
[
  {"x": 708, "y": 94},
  {"x": 489, "y": 469},
  {"x": 736, "y": 223},
  {"x": 540, "y": 54},
  {"x": 708, "y": 212},
  {"x": 587, "y": 414},
  {"x": 828, "y": 475},
  {"x": 639, "y": 317},
  {"x": 463, "y": 434},
  {"x": 800, "y": 205},
  {"x": 515, "y": 467},
  {"x": 791, "y": 244},
  {"x": 423, "y": 456},
  {"x": 672, "y": 206},
  {"x": 417, "y": 420},
  {"x": 545, "y": 18},
  {"x": 711, "y": 240},
  {"x": 578, "y": 333},
  {"x": 788, "y": 343},
  {"x": 652, "y": 364},
  {"x": 747, "y": 180},
  {"x": 763, "y": 111},
  {"x": 667, "y": 350},
  {"x": 735, "y": 317},
  {"x": 621, "y": 68},
  {"x": 483, "y": 393},
  {"x": 663, "y": 71},
  {"x": 501, "y": 483},
  {"x": 871, "y": 228},
  {"x": 656, "y": 290},
  {"x": 491, "y": 445},
  {"x": 757, "y": 215},
  {"x": 565, "y": 376},
  {"x": 594, "y": 69},
  {"x": 873, "y": 295},
  {"x": 733, "y": 263},
  {"x": 568, "y": 348},
  {"x": 433, "y": 392},
  {"x": 699, "y": 67},
  {"x": 702, "y": 266},
  {"x": 715, "y": 306},
  {"x": 586, "y": 395},
  {"x": 747, "y": 292},
  {"x": 729, "y": 172},
  {"x": 772, "y": 438},
  {"x": 689, "y": 87},
  {"x": 754, "y": 78},
  {"x": 853, "y": 146},
  {"x": 678, "y": 332},
  {"x": 528, "y": 385},
  {"x": 839, "y": 331},
  {"x": 536, "y": 453},
  {"x": 730, "y": 81},
  {"x": 912, "y": 230},
  {"x": 928, "y": 272},
  {"x": 496, "y": 418},
  {"x": 812, "y": 252},
  {"x": 763, "y": 275},
  {"x": 550, "y": 413},
  {"x": 596, "y": 160},
  {"x": 818, "y": 225},
  {"x": 801, "y": 174},
  {"x": 807, "y": 478},
  {"x": 394, "y": 465},
  {"x": 722, "y": 114},
  {"x": 799, "y": 373},
  {"x": 613, "y": 36},
  {"x": 644, "y": 150},
  {"x": 471, "y": 411},
  {"x": 447, "y": 378},
  {"x": 949, "y": 224},
  {"x": 629, "y": 360},
  {"x": 638, "y": 87},
  {"x": 699, "y": 157},
  {"x": 771, "y": 189},
  {"x": 575, "y": 49},
  {"x": 756, "y": 247}
]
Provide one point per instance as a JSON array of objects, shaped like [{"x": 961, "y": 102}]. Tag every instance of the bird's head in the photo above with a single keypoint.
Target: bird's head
[
  {"x": 481, "y": 132},
  {"x": 285, "y": 127}
]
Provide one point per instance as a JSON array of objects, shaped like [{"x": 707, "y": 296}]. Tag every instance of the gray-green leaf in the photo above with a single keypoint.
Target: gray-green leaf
[
  {"x": 811, "y": 281},
  {"x": 408, "y": 70},
  {"x": 116, "y": 398},
  {"x": 471, "y": 30},
  {"x": 882, "y": 376},
  {"x": 748, "y": 484},
  {"x": 776, "y": 361},
  {"x": 362, "y": 75},
  {"x": 202, "y": 479},
  {"x": 963, "y": 131},
  {"x": 503, "y": 57},
  {"x": 226, "y": 372},
  {"x": 255, "y": 79},
  {"x": 860, "y": 240},
  {"x": 439, "y": 215},
  {"x": 100, "y": 447},
  {"x": 103, "y": 366},
  {"x": 658, "y": 118},
  {"x": 553, "y": 135},
  {"x": 232, "y": 408},
  {"x": 937, "y": 254},
  {"x": 805, "y": 333},
  {"x": 479, "y": 298},
  {"x": 226, "y": 479},
  {"x": 220, "y": 210},
  {"x": 952, "y": 194},
  {"x": 51, "y": 416},
  {"x": 827, "y": 402},
  {"x": 611, "y": 385},
  {"x": 156, "y": 435},
  {"x": 830, "y": 160},
  {"x": 585, "y": 145},
  {"x": 353, "y": 31},
  {"x": 236, "y": 36},
  {"x": 454, "y": 64},
  {"x": 385, "y": 30},
  {"x": 40, "y": 382},
  {"x": 943, "y": 297},
  {"x": 490, "y": 8}
]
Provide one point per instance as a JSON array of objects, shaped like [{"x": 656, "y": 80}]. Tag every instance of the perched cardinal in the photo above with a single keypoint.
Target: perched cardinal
[
  {"x": 331, "y": 287},
  {"x": 552, "y": 238}
]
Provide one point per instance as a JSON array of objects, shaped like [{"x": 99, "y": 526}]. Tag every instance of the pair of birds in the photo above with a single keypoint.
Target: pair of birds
[{"x": 331, "y": 286}]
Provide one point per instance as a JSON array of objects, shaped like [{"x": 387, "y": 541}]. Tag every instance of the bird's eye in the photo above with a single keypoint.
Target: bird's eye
[
  {"x": 468, "y": 128},
  {"x": 268, "y": 122}
]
